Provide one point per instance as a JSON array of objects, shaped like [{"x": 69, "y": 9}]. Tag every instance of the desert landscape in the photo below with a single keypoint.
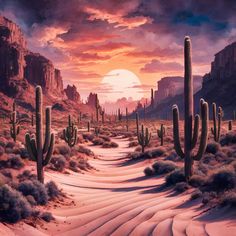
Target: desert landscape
[{"x": 125, "y": 158}]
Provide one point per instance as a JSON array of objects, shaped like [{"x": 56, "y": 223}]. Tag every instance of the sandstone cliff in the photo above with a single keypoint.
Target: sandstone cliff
[{"x": 72, "y": 93}]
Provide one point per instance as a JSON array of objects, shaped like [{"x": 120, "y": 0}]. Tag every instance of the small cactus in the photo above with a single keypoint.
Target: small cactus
[
  {"x": 216, "y": 130},
  {"x": 230, "y": 125},
  {"x": 15, "y": 128},
  {"x": 119, "y": 115},
  {"x": 127, "y": 119},
  {"x": 70, "y": 133},
  {"x": 144, "y": 138},
  {"x": 137, "y": 123},
  {"x": 102, "y": 113},
  {"x": 97, "y": 131},
  {"x": 39, "y": 152},
  {"x": 152, "y": 98},
  {"x": 190, "y": 135},
  {"x": 161, "y": 133},
  {"x": 97, "y": 107},
  {"x": 88, "y": 126}
]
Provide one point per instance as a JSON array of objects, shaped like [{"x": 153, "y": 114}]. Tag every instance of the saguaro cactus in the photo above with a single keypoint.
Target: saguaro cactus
[
  {"x": 216, "y": 130},
  {"x": 127, "y": 119},
  {"x": 230, "y": 125},
  {"x": 119, "y": 115},
  {"x": 190, "y": 137},
  {"x": 137, "y": 123},
  {"x": 70, "y": 133},
  {"x": 102, "y": 113},
  {"x": 161, "y": 133},
  {"x": 97, "y": 107},
  {"x": 39, "y": 152},
  {"x": 88, "y": 126},
  {"x": 144, "y": 138},
  {"x": 152, "y": 98},
  {"x": 97, "y": 130},
  {"x": 15, "y": 128}
]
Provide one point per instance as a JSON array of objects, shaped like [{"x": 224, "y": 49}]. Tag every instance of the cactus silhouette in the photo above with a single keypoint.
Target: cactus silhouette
[
  {"x": 161, "y": 133},
  {"x": 70, "y": 133},
  {"x": 119, "y": 115},
  {"x": 152, "y": 98},
  {"x": 137, "y": 123},
  {"x": 39, "y": 152},
  {"x": 144, "y": 138},
  {"x": 127, "y": 119},
  {"x": 15, "y": 128},
  {"x": 102, "y": 113},
  {"x": 230, "y": 125},
  {"x": 216, "y": 130},
  {"x": 97, "y": 107},
  {"x": 88, "y": 126},
  {"x": 190, "y": 137},
  {"x": 97, "y": 130}
]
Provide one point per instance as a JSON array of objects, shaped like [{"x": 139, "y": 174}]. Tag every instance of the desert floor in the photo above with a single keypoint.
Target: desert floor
[{"x": 116, "y": 199}]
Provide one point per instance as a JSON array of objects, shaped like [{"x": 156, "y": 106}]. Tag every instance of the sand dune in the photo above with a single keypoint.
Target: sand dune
[{"x": 117, "y": 200}]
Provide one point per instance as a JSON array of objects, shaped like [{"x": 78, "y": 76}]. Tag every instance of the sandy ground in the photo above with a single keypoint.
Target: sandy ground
[{"x": 118, "y": 200}]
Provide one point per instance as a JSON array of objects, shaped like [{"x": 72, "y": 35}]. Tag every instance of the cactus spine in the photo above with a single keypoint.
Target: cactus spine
[
  {"x": 161, "y": 133},
  {"x": 39, "y": 152},
  {"x": 70, "y": 133},
  {"x": 144, "y": 138},
  {"x": 137, "y": 123},
  {"x": 190, "y": 137},
  {"x": 216, "y": 122},
  {"x": 15, "y": 128}
]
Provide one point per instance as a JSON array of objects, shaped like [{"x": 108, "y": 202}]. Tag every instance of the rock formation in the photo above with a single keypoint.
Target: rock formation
[
  {"x": 72, "y": 94},
  {"x": 91, "y": 99}
]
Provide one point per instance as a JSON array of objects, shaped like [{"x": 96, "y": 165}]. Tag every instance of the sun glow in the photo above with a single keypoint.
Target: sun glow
[{"x": 120, "y": 83}]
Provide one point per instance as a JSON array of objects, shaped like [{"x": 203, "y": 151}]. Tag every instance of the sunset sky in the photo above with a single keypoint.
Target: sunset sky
[{"x": 88, "y": 39}]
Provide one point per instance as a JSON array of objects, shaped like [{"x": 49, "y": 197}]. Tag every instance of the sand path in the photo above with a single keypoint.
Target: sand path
[{"x": 117, "y": 200}]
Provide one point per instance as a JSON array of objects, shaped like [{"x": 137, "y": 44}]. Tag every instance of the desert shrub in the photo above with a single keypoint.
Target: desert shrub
[
  {"x": 221, "y": 180},
  {"x": 88, "y": 136},
  {"x": 58, "y": 163},
  {"x": 157, "y": 152},
  {"x": 110, "y": 145},
  {"x": 62, "y": 149},
  {"x": 229, "y": 138},
  {"x": 213, "y": 147},
  {"x": 133, "y": 144},
  {"x": 197, "y": 180},
  {"x": 31, "y": 200},
  {"x": 3, "y": 142},
  {"x": 13, "y": 206},
  {"x": 26, "y": 175},
  {"x": 148, "y": 171},
  {"x": 3, "y": 179},
  {"x": 52, "y": 190},
  {"x": 134, "y": 155},
  {"x": 73, "y": 165},
  {"x": 98, "y": 141},
  {"x": 181, "y": 187},
  {"x": 83, "y": 164},
  {"x": 23, "y": 153},
  {"x": 208, "y": 196},
  {"x": 229, "y": 199},
  {"x": 163, "y": 167},
  {"x": 105, "y": 138},
  {"x": 46, "y": 216},
  {"x": 10, "y": 145},
  {"x": 173, "y": 157},
  {"x": 175, "y": 177},
  {"x": 15, "y": 162},
  {"x": 6, "y": 173},
  {"x": 34, "y": 188},
  {"x": 83, "y": 149},
  {"x": 2, "y": 150},
  {"x": 196, "y": 194}
]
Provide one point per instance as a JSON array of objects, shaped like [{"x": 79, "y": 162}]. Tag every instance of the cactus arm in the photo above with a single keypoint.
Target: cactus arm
[
  {"x": 29, "y": 147},
  {"x": 50, "y": 150},
  {"x": 195, "y": 131},
  {"x": 47, "y": 131},
  {"x": 177, "y": 145},
  {"x": 204, "y": 134}
]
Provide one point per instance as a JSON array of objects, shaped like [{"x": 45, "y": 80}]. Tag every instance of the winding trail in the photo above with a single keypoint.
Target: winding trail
[{"x": 117, "y": 200}]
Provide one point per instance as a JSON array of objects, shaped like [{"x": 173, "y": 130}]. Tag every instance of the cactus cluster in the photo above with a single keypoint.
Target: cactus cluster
[
  {"x": 190, "y": 136},
  {"x": 38, "y": 151},
  {"x": 144, "y": 138},
  {"x": 217, "y": 119},
  {"x": 70, "y": 133},
  {"x": 161, "y": 133},
  {"x": 15, "y": 128}
]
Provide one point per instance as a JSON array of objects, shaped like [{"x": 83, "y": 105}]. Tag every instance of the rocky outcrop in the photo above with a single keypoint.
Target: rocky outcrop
[
  {"x": 171, "y": 86},
  {"x": 72, "y": 94},
  {"x": 18, "y": 66},
  {"x": 91, "y": 99}
]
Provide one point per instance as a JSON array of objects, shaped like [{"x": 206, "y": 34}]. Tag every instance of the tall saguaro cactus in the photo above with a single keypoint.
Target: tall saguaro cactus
[
  {"x": 144, "y": 138},
  {"x": 127, "y": 119},
  {"x": 119, "y": 115},
  {"x": 137, "y": 123},
  {"x": 102, "y": 113},
  {"x": 39, "y": 151},
  {"x": 152, "y": 98},
  {"x": 161, "y": 133},
  {"x": 97, "y": 107},
  {"x": 190, "y": 137},
  {"x": 216, "y": 130},
  {"x": 15, "y": 128},
  {"x": 70, "y": 133}
]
